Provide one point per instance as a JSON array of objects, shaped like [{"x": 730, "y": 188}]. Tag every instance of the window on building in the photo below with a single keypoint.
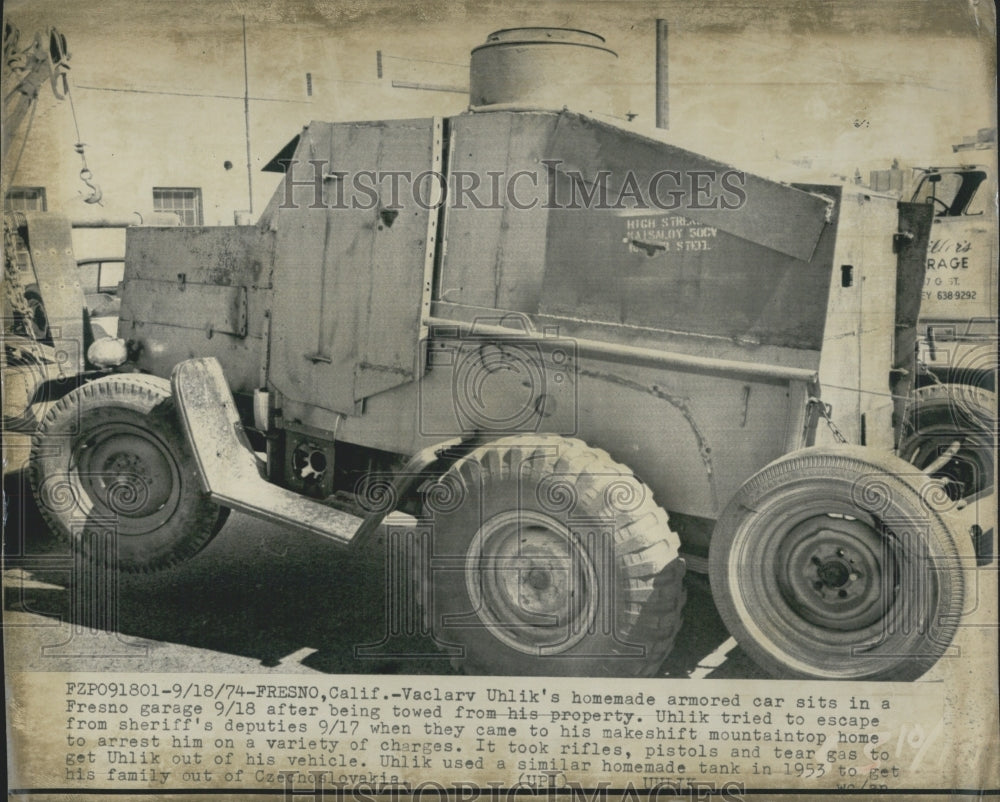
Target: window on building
[
  {"x": 185, "y": 202},
  {"x": 25, "y": 199}
]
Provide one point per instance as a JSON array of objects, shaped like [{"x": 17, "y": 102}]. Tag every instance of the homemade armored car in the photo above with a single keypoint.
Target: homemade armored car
[{"x": 579, "y": 359}]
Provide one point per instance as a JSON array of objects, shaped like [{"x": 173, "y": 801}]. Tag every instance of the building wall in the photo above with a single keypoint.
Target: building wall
[{"x": 158, "y": 86}]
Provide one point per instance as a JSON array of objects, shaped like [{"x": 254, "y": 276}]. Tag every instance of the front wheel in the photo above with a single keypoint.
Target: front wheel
[
  {"x": 113, "y": 475},
  {"x": 835, "y": 563},
  {"x": 548, "y": 558}
]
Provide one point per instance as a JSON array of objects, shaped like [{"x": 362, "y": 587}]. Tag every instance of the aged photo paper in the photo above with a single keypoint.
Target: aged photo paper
[{"x": 585, "y": 399}]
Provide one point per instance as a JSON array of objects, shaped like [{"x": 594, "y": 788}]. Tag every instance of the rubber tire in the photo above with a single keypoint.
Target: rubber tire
[
  {"x": 645, "y": 604},
  {"x": 220, "y": 520},
  {"x": 140, "y": 404},
  {"x": 746, "y": 565},
  {"x": 20, "y": 381},
  {"x": 37, "y": 326},
  {"x": 939, "y": 414}
]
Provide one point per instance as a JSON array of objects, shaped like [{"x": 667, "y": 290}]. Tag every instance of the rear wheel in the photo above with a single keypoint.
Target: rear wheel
[
  {"x": 109, "y": 461},
  {"x": 950, "y": 429},
  {"x": 835, "y": 563},
  {"x": 549, "y": 558}
]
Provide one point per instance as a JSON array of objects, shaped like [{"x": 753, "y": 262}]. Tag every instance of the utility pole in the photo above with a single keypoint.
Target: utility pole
[{"x": 246, "y": 116}]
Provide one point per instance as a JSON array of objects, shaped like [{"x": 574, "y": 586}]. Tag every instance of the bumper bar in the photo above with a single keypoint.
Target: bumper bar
[{"x": 227, "y": 465}]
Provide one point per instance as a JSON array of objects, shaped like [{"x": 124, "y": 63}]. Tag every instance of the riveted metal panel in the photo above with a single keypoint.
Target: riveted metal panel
[{"x": 50, "y": 243}]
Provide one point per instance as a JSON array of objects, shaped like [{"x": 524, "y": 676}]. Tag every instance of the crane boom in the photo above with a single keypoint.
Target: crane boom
[{"x": 25, "y": 72}]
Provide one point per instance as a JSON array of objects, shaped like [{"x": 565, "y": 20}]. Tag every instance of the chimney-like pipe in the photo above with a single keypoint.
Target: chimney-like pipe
[{"x": 662, "y": 85}]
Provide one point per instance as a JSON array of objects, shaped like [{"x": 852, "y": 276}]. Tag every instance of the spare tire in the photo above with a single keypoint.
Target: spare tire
[{"x": 837, "y": 563}]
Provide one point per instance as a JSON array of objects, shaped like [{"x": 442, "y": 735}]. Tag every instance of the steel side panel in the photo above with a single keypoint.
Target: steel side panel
[
  {"x": 203, "y": 307},
  {"x": 915, "y": 220},
  {"x": 219, "y": 263},
  {"x": 578, "y": 260},
  {"x": 858, "y": 343},
  {"x": 878, "y": 325},
  {"x": 522, "y": 258},
  {"x": 396, "y": 273},
  {"x": 494, "y": 253},
  {"x": 636, "y": 271},
  {"x": 693, "y": 437},
  {"x": 346, "y": 323},
  {"x": 472, "y": 237},
  {"x": 773, "y": 215},
  {"x": 300, "y": 244}
]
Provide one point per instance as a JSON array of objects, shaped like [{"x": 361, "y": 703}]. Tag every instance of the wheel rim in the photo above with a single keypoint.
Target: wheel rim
[
  {"x": 532, "y": 583},
  {"x": 773, "y": 571},
  {"x": 127, "y": 473},
  {"x": 832, "y": 571},
  {"x": 966, "y": 473}
]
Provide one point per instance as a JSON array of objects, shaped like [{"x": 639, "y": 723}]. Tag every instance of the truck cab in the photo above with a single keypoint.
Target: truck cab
[{"x": 958, "y": 308}]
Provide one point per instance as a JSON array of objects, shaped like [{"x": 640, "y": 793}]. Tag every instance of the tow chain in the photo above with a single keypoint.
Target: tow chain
[
  {"x": 825, "y": 411},
  {"x": 12, "y": 279}
]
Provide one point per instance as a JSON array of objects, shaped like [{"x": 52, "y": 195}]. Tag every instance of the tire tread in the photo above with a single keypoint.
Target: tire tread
[{"x": 650, "y": 571}]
